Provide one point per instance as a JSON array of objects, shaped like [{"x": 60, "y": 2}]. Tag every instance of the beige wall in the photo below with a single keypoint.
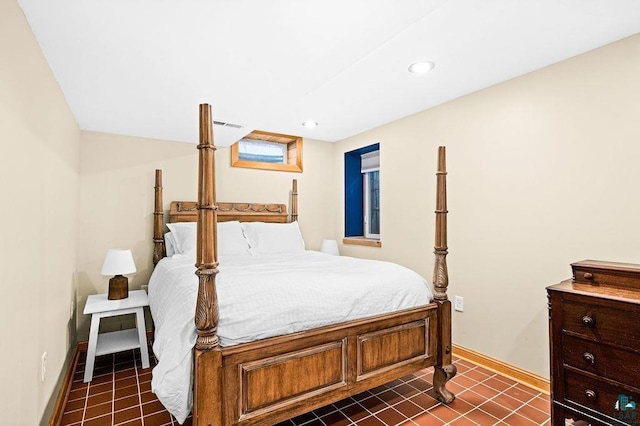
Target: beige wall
[
  {"x": 543, "y": 171},
  {"x": 39, "y": 182},
  {"x": 116, "y": 198}
]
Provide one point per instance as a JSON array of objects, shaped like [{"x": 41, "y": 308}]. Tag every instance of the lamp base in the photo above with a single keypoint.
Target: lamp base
[{"x": 118, "y": 288}]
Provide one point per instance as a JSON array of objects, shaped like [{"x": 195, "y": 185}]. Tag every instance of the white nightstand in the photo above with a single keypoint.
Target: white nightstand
[{"x": 107, "y": 343}]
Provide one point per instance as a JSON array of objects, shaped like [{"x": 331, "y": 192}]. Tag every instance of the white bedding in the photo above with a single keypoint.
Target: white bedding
[{"x": 265, "y": 296}]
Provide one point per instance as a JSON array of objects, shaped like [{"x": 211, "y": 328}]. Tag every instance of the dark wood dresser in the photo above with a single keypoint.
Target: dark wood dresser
[{"x": 594, "y": 331}]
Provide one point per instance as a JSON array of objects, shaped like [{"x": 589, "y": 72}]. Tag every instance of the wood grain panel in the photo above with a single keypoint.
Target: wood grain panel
[
  {"x": 281, "y": 347},
  {"x": 604, "y": 361},
  {"x": 185, "y": 211},
  {"x": 278, "y": 379},
  {"x": 390, "y": 347},
  {"x": 292, "y": 143},
  {"x": 585, "y": 318},
  {"x": 608, "y": 274},
  {"x": 596, "y": 393}
]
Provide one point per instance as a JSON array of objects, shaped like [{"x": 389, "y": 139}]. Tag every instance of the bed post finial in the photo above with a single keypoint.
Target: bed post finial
[
  {"x": 159, "y": 250},
  {"x": 294, "y": 201},
  {"x": 206, "y": 257}
]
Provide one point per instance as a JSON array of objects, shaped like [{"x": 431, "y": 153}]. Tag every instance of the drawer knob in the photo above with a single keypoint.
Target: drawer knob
[
  {"x": 589, "y": 357},
  {"x": 590, "y": 394},
  {"x": 588, "y": 321},
  {"x": 588, "y": 276}
]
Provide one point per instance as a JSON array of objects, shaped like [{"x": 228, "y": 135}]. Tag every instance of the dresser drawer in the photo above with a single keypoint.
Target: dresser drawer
[
  {"x": 610, "y": 274},
  {"x": 598, "y": 395},
  {"x": 615, "y": 364},
  {"x": 617, "y": 325},
  {"x": 567, "y": 417}
]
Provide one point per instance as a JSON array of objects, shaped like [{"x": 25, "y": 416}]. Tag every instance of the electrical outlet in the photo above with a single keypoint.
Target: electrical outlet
[
  {"x": 458, "y": 303},
  {"x": 43, "y": 367}
]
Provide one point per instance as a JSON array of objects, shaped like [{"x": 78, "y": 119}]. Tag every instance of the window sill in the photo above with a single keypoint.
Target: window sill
[{"x": 361, "y": 241}]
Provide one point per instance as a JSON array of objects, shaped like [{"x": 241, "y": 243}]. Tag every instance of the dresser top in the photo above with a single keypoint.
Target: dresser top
[
  {"x": 609, "y": 280},
  {"x": 612, "y": 293},
  {"x": 612, "y": 266}
]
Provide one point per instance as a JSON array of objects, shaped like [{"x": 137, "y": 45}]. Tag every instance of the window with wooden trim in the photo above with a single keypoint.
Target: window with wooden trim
[
  {"x": 268, "y": 151},
  {"x": 362, "y": 196}
]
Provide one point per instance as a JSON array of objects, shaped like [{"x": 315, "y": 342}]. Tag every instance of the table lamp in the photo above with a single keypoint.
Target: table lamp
[
  {"x": 117, "y": 263},
  {"x": 330, "y": 247}
]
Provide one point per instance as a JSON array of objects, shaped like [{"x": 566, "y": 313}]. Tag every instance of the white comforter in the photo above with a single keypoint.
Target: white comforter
[{"x": 265, "y": 296}]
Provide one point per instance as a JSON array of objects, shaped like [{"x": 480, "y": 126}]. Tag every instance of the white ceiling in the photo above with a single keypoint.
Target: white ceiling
[{"x": 141, "y": 67}]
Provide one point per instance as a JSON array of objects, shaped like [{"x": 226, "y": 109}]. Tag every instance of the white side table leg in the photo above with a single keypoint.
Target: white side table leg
[
  {"x": 91, "y": 350},
  {"x": 142, "y": 337}
]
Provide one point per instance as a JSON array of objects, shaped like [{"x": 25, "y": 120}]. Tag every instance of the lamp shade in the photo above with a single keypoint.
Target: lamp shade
[
  {"x": 330, "y": 247},
  {"x": 118, "y": 262}
]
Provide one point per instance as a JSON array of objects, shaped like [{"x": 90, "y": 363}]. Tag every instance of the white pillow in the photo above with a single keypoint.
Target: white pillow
[
  {"x": 184, "y": 234},
  {"x": 169, "y": 244},
  {"x": 268, "y": 238},
  {"x": 231, "y": 240}
]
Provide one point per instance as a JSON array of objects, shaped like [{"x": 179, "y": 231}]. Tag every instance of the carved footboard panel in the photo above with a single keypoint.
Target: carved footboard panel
[
  {"x": 272, "y": 380},
  {"x": 275, "y": 381}
]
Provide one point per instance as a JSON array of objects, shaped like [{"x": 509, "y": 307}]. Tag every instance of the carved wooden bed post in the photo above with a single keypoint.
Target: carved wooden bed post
[
  {"x": 444, "y": 369},
  {"x": 207, "y": 404},
  {"x": 294, "y": 201},
  {"x": 158, "y": 221}
]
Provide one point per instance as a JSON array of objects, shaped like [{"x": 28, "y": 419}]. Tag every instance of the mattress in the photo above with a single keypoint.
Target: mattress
[{"x": 265, "y": 296}]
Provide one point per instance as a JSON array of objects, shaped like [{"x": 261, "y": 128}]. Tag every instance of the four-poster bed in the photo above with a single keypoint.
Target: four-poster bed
[{"x": 276, "y": 378}]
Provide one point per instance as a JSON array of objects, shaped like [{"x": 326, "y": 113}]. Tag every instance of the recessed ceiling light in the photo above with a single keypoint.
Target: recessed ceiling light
[
  {"x": 310, "y": 124},
  {"x": 421, "y": 67}
]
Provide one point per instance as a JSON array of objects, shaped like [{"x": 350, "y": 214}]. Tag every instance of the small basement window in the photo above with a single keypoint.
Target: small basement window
[{"x": 268, "y": 151}]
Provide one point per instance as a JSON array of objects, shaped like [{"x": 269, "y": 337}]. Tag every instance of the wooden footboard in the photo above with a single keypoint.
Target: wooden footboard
[{"x": 275, "y": 379}]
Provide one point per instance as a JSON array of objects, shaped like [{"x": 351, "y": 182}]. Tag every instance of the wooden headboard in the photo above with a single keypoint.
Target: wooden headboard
[{"x": 187, "y": 211}]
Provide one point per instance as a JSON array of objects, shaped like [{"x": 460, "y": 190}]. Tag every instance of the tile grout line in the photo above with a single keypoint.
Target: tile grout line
[
  {"x": 405, "y": 399},
  {"x": 522, "y": 403},
  {"x": 494, "y": 375},
  {"x": 535, "y": 408},
  {"x": 86, "y": 401},
  {"x": 460, "y": 415}
]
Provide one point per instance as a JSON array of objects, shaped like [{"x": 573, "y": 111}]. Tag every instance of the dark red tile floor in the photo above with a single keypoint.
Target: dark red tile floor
[{"x": 120, "y": 394}]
